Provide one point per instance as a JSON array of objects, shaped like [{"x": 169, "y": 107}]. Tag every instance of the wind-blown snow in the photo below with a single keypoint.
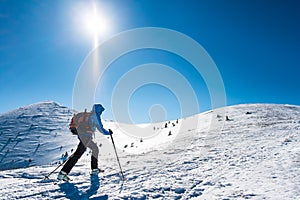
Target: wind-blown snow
[
  {"x": 34, "y": 135},
  {"x": 255, "y": 156}
]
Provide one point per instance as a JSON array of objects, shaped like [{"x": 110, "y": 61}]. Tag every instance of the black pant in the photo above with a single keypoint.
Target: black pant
[{"x": 83, "y": 144}]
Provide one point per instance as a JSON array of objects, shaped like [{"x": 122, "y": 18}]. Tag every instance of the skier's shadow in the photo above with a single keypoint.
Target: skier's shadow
[{"x": 73, "y": 192}]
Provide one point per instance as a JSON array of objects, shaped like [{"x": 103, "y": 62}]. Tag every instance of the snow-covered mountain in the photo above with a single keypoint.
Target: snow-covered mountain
[
  {"x": 34, "y": 135},
  {"x": 256, "y": 155}
]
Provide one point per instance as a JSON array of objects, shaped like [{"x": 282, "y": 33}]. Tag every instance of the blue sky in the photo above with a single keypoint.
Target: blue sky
[{"x": 255, "y": 45}]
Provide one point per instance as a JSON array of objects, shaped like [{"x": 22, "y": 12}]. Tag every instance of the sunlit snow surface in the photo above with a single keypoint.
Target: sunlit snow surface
[{"x": 256, "y": 155}]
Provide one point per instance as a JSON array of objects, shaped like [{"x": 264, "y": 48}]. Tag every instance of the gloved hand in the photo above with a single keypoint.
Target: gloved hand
[{"x": 110, "y": 131}]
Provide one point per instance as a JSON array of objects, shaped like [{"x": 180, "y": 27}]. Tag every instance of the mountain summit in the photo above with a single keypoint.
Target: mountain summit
[{"x": 34, "y": 135}]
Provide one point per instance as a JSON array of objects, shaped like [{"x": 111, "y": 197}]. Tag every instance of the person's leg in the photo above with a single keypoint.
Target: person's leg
[
  {"x": 95, "y": 152},
  {"x": 75, "y": 157}
]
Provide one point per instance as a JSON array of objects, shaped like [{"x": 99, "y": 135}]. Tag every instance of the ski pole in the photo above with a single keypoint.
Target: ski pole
[
  {"x": 47, "y": 176},
  {"x": 112, "y": 139}
]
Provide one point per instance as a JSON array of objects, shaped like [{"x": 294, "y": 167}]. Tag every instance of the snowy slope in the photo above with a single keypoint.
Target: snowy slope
[
  {"x": 34, "y": 135},
  {"x": 256, "y": 155}
]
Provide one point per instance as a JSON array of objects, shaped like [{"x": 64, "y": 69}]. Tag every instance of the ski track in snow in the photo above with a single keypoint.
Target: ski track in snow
[{"x": 256, "y": 155}]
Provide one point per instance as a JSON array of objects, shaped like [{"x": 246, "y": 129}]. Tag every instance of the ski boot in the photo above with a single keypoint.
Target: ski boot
[
  {"x": 96, "y": 171},
  {"x": 63, "y": 176}
]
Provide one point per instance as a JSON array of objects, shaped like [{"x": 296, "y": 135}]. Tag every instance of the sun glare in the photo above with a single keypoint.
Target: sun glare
[{"x": 95, "y": 23}]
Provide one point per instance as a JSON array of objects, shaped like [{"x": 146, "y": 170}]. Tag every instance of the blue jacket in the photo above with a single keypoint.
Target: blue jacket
[{"x": 95, "y": 121}]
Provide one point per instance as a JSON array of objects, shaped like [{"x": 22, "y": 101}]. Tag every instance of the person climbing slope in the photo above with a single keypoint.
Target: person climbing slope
[{"x": 84, "y": 125}]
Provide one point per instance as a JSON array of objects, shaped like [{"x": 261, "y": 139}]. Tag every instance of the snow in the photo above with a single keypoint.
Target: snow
[
  {"x": 34, "y": 135},
  {"x": 255, "y": 155}
]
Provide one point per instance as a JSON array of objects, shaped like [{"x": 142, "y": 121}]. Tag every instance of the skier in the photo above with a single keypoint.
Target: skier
[{"x": 86, "y": 126}]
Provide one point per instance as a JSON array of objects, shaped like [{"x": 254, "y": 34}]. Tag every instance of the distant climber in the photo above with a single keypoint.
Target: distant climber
[{"x": 85, "y": 124}]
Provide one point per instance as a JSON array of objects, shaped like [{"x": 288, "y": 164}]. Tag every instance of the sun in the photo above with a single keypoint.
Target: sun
[{"x": 95, "y": 23}]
